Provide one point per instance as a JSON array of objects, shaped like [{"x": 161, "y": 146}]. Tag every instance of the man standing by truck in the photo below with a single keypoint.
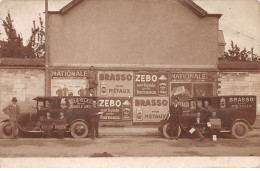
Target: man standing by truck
[
  {"x": 13, "y": 111},
  {"x": 175, "y": 116},
  {"x": 94, "y": 120}
]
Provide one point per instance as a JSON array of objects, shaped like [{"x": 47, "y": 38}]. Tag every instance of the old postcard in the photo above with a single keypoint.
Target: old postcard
[{"x": 129, "y": 83}]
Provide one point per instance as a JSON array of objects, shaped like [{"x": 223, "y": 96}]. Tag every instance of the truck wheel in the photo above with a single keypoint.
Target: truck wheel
[
  {"x": 79, "y": 129},
  {"x": 167, "y": 130},
  {"x": 5, "y": 130},
  {"x": 239, "y": 130}
]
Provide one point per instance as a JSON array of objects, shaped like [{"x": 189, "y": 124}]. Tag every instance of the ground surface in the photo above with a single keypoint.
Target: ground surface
[{"x": 129, "y": 146}]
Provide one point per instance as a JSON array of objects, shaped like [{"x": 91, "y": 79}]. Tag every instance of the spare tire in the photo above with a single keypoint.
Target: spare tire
[
  {"x": 5, "y": 130},
  {"x": 167, "y": 130},
  {"x": 79, "y": 129}
]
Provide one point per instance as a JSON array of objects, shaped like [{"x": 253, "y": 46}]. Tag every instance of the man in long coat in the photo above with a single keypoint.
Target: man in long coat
[
  {"x": 94, "y": 120},
  {"x": 175, "y": 118},
  {"x": 13, "y": 111}
]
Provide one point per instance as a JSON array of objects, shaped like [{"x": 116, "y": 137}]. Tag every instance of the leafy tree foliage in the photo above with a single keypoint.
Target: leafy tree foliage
[
  {"x": 37, "y": 39},
  {"x": 235, "y": 54},
  {"x": 13, "y": 47}
]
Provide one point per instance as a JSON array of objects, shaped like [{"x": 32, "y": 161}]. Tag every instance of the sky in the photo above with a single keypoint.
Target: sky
[{"x": 240, "y": 21}]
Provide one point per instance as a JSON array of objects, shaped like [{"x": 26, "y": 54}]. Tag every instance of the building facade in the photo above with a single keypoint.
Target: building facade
[{"x": 145, "y": 53}]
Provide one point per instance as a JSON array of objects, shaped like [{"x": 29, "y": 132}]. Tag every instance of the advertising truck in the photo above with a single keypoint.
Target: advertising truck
[
  {"x": 236, "y": 114},
  {"x": 76, "y": 111}
]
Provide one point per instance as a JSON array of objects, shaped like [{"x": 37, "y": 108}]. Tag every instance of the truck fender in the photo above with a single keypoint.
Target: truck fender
[{"x": 242, "y": 120}]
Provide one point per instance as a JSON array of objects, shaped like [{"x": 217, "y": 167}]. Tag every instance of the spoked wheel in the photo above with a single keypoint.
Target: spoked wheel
[
  {"x": 5, "y": 130},
  {"x": 79, "y": 129},
  {"x": 239, "y": 130},
  {"x": 167, "y": 130}
]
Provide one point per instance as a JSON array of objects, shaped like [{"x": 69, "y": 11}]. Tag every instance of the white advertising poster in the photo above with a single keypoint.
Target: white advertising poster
[
  {"x": 67, "y": 87},
  {"x": 115, "y": 84},
  {"x": 69, "y": 82},
  {"x": 150, "y": 109}
]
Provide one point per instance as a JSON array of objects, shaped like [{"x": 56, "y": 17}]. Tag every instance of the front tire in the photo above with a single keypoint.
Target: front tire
[
  {"x": 239, "y": 130},
  {"x": 5, "y": 130},
  {"x": 79, "y": 129},
  {"x": 167, "y": 130}
]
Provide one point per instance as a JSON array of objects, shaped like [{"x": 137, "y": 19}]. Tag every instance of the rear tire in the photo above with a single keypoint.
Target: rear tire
[
  {"x": 79, "y": 129},
  {"x": 5, "y": 130},
  {"x": 239, "y": 130},
  {"x": 166, "y": 130}
]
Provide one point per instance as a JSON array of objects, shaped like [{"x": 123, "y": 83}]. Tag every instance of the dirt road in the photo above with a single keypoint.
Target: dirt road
[{"x": 129, "y": 146}]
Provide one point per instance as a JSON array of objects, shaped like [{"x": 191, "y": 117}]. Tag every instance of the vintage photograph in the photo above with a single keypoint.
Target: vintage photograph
[{"x": 130, "y": 78}]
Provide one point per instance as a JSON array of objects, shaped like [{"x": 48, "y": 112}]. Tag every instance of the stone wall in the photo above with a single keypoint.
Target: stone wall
[{"x": 25, "y": 84}]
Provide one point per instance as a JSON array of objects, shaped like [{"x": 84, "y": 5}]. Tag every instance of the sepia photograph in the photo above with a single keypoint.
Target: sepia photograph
[{"x": 155, "y": 83}]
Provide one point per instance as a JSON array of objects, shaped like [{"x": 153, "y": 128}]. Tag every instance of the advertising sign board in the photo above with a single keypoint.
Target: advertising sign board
[
  {"x": 151, "y": 84},
  {"x": 192, "y": 77},
  {"x": 115, "y": 84},
  {"x": 115, "y": 109},
  {"x": 150, "y": 109}
]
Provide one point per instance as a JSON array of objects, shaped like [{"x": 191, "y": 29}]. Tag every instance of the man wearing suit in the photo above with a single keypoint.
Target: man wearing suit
[
  {"x": 94, "y": 119},
  {"x": 13, "y": 111},
  {"x": 197, "y": 124},
  {"x": 175, "y": 117}
]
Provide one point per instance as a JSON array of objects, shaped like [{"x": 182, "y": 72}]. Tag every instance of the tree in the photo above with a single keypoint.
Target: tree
[
  {"x": 37, "y": 39},
  {"x": 235, "y": 54},
  {"x": 14, "y": 48},
  {"x": 14, "y": 45}
]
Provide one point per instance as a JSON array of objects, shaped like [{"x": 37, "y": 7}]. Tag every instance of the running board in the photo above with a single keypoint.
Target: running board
[
  {"x": 225, "y": 131},
  {"x": 35, "y": 131}
]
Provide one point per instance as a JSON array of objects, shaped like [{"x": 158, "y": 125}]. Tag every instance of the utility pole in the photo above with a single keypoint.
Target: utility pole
[{"x": 47, "y": 52}]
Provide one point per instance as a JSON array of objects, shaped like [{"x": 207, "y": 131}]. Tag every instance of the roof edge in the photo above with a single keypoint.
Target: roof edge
[
  {"x": 196, "y": 8},
  {"x": 199, "y": 10},
  {"x": 69, "y": 6}
]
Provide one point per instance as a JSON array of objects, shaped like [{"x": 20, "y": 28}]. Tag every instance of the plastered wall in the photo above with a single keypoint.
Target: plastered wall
[
  {"x": 133, "y": 32},
  {"x": 25, "y": 84}
]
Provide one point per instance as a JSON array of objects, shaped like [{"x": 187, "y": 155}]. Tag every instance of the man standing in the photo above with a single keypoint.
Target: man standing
[
  {"x": 94, "y": 119},
  {"x": 175, "y": 117},
  {"x": 13, "y": 111},
  {"x": 92, "y": 78}
]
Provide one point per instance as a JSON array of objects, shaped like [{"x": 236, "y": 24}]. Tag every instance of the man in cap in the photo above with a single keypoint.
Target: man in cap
[
  {"x": 13, "y": 111},
  {"x": 175, "y": 117}
]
